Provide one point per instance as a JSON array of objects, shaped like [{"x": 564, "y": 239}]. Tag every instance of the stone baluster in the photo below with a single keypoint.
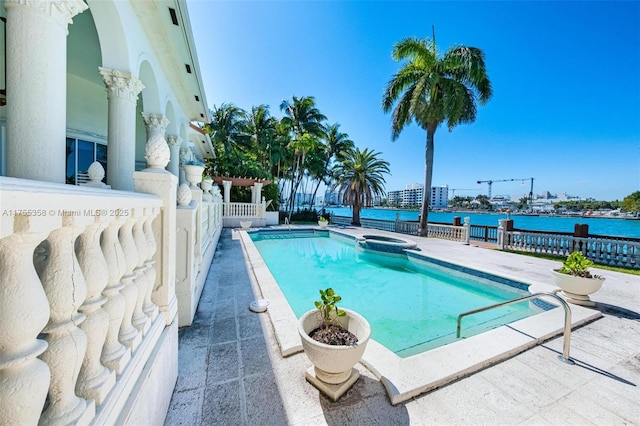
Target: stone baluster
[
  {"x": 129, "y": 335},
  {"x": 140, "y": 320},
  {"x": 65, "y": 287},
  {"x": 150, "y": 308},
  {"x": 24, "y": 311},
  {"x": 114, "y": 354},
  {"x": 95, "y": 380}
]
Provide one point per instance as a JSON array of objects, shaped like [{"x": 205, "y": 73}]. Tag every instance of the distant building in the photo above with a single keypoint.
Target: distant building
[
  {"x": 413, "y": 195},
  {"x": 439, "y": 196}
]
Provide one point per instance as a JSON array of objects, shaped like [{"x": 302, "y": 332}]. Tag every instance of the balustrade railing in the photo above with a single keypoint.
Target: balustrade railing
[
  {"x": 608, "y": 250},
  {"x": 244, "y": 209},
  {"x": 198, "y": 229},
  {"x": 435, "y": 230},
  {"x": 77, "y": 275}
]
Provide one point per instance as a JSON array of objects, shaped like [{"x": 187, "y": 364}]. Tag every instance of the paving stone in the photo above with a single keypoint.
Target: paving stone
[
  {"x": 254, "y": 357},
  {"x": 185, "y": 408},
  {"x": 223, "y": 404},
  {"x": 223, "y": 330},
  {"x": 192, "y": 367},
  {"x": 223, "y": 363},
  {"x": 264, "y": 405}
]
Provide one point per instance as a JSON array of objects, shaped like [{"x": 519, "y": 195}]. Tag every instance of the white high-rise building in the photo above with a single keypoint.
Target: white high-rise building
[{"x": 413, "y": 194}]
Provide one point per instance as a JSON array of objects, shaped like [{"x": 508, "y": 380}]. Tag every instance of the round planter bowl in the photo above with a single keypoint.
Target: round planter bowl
[
  {"x": 577, "y": 289},
  {"x": 322, "y": 223},
  {"x": 333, "y": 364}
]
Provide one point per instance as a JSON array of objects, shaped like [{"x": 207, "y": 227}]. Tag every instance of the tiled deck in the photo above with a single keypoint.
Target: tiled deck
[{"x": 231, "y": 371}]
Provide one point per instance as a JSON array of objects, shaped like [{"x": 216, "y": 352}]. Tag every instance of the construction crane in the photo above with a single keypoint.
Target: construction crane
[
  {"x": 490, "y": 182},
  {"x": 453, "y": 190}
]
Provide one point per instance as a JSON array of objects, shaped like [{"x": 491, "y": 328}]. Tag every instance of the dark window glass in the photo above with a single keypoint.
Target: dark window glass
[
  {"x": 101, "y": 156},
  {"x": 71, "y": 161}
]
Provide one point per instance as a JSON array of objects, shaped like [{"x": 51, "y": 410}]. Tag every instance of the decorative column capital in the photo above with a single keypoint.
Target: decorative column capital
[
  {"x": 121, "y": 84},
  {"x": 60, "y": 11},
  {"x": 174, "y": 141},
  {"x": 155, "y": 123}
]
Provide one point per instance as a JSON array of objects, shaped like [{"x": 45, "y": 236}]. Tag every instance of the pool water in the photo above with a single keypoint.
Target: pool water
[{"x": 412, "y": 305}]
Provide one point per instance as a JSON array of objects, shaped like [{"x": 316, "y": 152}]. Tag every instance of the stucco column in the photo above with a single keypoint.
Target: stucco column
[
  {"x": 258, "y": 187},
  {"x": 122, "y": 92},
  {"x": 36, "y": 73},
  {"x": 253, "y": 195},
  {"x": 227, "y": 190},
  {"x": 174, "y": 142}
]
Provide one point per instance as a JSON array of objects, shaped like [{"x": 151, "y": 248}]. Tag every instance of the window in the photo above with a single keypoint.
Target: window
[{"x": 80, "y": 155}]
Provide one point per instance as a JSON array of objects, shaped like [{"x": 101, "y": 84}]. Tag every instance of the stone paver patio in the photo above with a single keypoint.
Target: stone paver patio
[{"x": 231, "y": 371}]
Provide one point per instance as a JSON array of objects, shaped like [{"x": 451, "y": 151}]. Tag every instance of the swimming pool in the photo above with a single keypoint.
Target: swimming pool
[
  {"x": 412, "y": 304},
  {"x": 407, "y": 377}
]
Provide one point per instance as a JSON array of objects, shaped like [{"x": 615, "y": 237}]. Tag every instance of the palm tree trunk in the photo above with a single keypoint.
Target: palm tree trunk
[{"x": 428, "y": 174}]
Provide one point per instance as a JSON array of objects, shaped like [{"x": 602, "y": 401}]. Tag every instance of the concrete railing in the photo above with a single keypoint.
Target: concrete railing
[
  {"x": 87, "y": 312},
  {"x": 245, "y": 209},
  {"x": 199, "y": 224},
  {"x": 607, "y": 250},
  {"x": 435, "y": 230}
]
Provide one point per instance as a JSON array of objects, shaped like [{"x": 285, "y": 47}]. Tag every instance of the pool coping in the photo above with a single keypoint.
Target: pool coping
[{"x": 405, "y": 378}]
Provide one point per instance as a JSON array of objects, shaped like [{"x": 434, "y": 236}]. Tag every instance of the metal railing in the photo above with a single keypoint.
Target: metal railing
[{"x": 567, "y": 319}]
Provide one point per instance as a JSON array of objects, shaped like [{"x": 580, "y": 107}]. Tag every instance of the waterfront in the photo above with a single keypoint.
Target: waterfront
[{"x": 597, "y": 226}]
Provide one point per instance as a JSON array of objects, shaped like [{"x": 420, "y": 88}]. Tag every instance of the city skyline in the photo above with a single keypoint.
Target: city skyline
[{"x": 566, "y": 104}]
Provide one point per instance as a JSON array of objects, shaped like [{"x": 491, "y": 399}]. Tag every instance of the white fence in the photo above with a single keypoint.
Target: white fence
[
  {"x": 605, "y": 250},
  {"x": 88, "y": 308},
  {"x": 435, "y": 230}
]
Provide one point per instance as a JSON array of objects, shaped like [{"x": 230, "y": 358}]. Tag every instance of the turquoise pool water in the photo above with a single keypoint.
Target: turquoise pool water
[{"x": 412, "y": 305}]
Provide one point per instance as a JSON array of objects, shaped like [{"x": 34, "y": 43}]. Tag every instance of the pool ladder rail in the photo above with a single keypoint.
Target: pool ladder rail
[{"x": 567, "y": 319}]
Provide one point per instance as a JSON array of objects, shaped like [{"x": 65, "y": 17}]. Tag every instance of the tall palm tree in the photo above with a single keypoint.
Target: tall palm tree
[
  {"x": 432, "y": 89},
  {"x": 360, "y": 178},
  {"x": 225, "y": 128},
  {"x": 336, "y": 145},
  {"x": 306, "y": 123}
]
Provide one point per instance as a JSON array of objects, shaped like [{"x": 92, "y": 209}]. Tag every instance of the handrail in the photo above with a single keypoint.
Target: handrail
[{"x": 567, "y": 319}]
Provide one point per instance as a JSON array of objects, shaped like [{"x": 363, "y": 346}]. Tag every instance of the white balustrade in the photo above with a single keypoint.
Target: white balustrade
[
  {"x": 65, "y": 287},
  {"x": 64, "y": 269},
  {"x": 95, "y": 380},
  {"x": 24, "y": 311},
  {"x": 150, "y": 308},
  {"x": 129, "y": 335},
  {"x": 114, "y": 354},
  {"x": 140, "y": 320}
]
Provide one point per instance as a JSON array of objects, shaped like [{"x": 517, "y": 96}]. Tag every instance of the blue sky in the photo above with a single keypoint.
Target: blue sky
[{"x": 565, "y": 76}]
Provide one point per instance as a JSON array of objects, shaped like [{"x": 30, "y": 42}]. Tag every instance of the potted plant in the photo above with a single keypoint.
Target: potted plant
[
  {"x": 322, "y": 222},
  {"x": 334, "y": 340},
  {"x": 575, "y": 279}
]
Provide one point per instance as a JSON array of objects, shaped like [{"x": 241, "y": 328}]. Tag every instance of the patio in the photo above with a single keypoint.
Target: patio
[{"x": 231, "y": 371}]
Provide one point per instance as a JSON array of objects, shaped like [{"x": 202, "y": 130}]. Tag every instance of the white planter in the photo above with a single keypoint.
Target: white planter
[
  {"x": 245, "y": 224},
  {"x": 577, "y": 289},
  {"x": 334, "y": 364},
  {"x": 193, "y": 174},
  {"x": 322, "y": 224}
]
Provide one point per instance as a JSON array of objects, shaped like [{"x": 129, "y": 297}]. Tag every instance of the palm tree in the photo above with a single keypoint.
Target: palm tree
[
  {"x": 336, "y": 145},
  {"x": 305, "y": 121},
  {"x": 360, "y": 178},
  {"x": 225, "y": 129},
  {"x": 431, "y": 89}
]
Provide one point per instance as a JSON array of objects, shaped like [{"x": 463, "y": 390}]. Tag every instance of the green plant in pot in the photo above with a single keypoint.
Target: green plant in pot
[
  {"x": 576, "y": 280},
  {"x": 322, "y": 221},
  {"x": 334, "y": 340}
]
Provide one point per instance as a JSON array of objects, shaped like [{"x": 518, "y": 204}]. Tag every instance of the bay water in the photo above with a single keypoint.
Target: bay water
[{"x": 597, "y": 226}]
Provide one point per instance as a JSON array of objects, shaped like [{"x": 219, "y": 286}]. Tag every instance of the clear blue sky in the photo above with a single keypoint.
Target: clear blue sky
[{"x": 565, "y": 75}]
